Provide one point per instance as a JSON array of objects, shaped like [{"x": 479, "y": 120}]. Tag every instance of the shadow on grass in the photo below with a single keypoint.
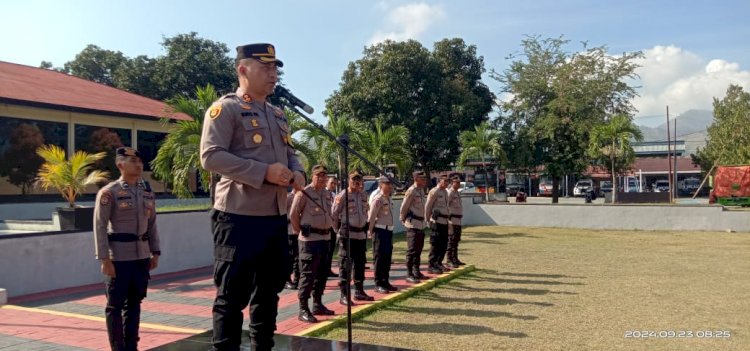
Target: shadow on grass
[
  {"x": 481, "y": 300},
  {"x": 461, "y": 311},
  {"x": 521, "y": 291},
  {"x": 493, "y": 235},
  {"x": 437, "y": 328},
  {"x": 538, "y": 275}
]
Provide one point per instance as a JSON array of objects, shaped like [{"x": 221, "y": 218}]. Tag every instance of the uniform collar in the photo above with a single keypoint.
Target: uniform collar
[{"x": 125, "y": 185}]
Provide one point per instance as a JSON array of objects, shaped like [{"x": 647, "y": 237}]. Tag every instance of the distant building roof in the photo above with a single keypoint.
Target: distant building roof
[
  {"x": 46, "y": 88},
  {"x": 657, "y": 148},
  {"x": 661, "y": 165}
]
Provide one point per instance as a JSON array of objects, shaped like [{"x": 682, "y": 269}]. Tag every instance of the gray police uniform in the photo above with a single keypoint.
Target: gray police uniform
[
  {"x": 293, "y": 279},
  {"x": 456, "y": 214},
  {"x": 125, "y": 232},
  {"x": 412, "y": 216},
  {"x": 311, "y": 218},
  {"x": 381, "y": 224},
  {"x": 357, "y": 208},
  {"x": 437, "y": 209},
  {"x": 241, "y": 138}
]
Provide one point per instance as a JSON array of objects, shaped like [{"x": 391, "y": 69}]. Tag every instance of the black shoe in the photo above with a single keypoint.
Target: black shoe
[
  {"x": 332, "y": 275},
  {"x": 435, "y": 270},
  {"x": 360, "y": 295},
  {"x": 290, "y": 286},
  {"x": 443, "y": 268},
  {"x": 419, "y": 275},
  {"x": 390, "y": 287},
  {"x": 413, "y": 280},
  {"x": 458, "y": 263},
  {"x": 320, "y": 309},
  {"x": 344, "y": 301},
  {"x": 451, "y": 265},
  {"x": 306, "y": 316},
  {"x": 382, "y": 290}
]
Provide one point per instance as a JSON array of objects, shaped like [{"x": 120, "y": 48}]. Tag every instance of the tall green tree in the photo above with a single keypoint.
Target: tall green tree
[
  {"x": 327, "y": 151},
  {"x": 383, "y": 146},
  {"x": 433, "y": 94},
  {"x": 611, "y": 146},
  {"x": 481, "y": 143},
  {"x": 557, "y": 97},
  {"x": 728, "y": 141},
  {"x": 96, "y": 64},
  {"x": 20, "y": 161},
  {"x": 179, "y": 153}
]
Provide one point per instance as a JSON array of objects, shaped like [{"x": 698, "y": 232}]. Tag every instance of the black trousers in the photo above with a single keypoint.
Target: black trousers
[
  {"x": 439, "y": 244},
  {"x": 382, "y": 252},
  {"x": 358, "y": 253},
  {"x": 124, "y": 295},
  {"x": 414, "y": 247},
  {"x": 453, "y": 240},
  {"x": 331, "y": 248},
  {"x": 251, "y": 266},
  {"x": 313, "y": 262},
  {"x": 293, "y": 257}
]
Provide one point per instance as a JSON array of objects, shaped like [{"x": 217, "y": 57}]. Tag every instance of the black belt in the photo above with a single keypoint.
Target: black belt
[
  {"x": 417, "y": 217},
  {"x": 356, "y": 229},
  {"x": 442, "y": 216},
  {"x": 319, "y": 231},
  {"x": 126, "y": 237},
  {"x": 456, "y": 216}
]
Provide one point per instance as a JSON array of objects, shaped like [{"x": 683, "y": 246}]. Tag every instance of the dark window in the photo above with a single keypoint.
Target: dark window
[
  {"x": 148, "y": 145},
  {"x": 95, "y": 139}
]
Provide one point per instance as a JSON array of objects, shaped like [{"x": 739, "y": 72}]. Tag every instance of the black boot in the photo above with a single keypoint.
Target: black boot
[
  {"x": 388, "y": 286},
  {"x": 344, "y": 300},
  {"x": 319, "y": 309},
  {"x": 290, "y": 285},
  {"x": 304, "y": 313},
  {"x": 417, "y": 273},
  {"x": 359, "y": 293}
]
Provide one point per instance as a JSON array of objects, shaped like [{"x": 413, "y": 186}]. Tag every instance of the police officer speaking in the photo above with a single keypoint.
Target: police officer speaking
[
  {"x": 248, "y": 142},
  {"x": 127, "y": 243}
]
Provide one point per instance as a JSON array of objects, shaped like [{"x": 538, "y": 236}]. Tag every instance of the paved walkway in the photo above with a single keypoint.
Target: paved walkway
[{"x": 178, "y": 305}]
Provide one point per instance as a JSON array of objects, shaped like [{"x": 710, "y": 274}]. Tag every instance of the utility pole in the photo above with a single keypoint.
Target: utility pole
[
  {"x": 675, "y": 160},
  {"x": 669, "y": 157}
]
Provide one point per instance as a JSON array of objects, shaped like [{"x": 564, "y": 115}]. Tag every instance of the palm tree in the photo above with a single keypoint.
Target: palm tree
[
  {"x": 384, "y": 146},
  {"x": 610, "y": 143},
  {"x": 325, "y": 150},
  {"x": 481, "y": 143},
  {"x": 179, "y": 152},
  {"x": 69, "y": 176}
]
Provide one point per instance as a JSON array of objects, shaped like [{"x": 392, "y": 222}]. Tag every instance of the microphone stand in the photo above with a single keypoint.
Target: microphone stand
[{"x": 343, "y": 143}]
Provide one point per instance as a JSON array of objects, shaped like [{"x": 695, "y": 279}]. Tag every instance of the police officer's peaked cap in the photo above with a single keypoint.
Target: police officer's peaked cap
[
  {"x": 262, "y": 52},
  {"x": 128, "y": 151},
  {"x": 418, "y": 174},
  {"x": 456, "y": 178},
  {"x": 355, "y": 174},
  {"x": 319, "y": 169}
]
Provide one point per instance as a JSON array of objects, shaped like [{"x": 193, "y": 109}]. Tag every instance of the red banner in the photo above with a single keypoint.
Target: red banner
[{"x": 732, "y": 181}]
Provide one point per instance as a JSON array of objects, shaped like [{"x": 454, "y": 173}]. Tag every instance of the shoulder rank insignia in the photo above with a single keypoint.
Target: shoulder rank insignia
[
  {"x": 106, "y": 198},
  {"x": 215, "y": 111}
]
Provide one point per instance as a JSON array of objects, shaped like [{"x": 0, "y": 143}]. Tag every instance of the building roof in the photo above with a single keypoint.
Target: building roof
[
  {"x": 661, "y": 165},
  {"x": 46, "y": 88}
]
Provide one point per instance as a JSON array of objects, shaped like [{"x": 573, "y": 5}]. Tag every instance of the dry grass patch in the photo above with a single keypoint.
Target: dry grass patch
[{"x": 564, "y": 289}]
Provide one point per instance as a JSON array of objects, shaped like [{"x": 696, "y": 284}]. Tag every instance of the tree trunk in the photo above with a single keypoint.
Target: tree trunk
[
  {"x": 614, "y": 179},
  {"x": 487, "y": 184},
  {"x": 555, "y": 186}
]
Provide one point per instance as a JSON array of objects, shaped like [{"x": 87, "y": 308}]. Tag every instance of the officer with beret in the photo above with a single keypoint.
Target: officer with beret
[
  {"x": 456, "y": 214},
  {"x": 311, "y": 218},
  {"x": 413, "y": 217},
  {"x": 127, "y": 244},
  {"x": 246, "y": 140},
  {"x": 381, "y": 231},
  {"x": 357, "y": 231},
  {"x": 437, "y": 209}
]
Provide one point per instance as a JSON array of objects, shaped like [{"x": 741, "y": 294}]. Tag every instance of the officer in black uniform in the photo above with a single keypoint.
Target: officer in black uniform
[
  {"x": 247, "y": 141},
  {"x": 127, "y": 244}
]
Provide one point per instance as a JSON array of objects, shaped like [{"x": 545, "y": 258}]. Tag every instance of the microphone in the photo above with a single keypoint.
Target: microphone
[{"x": 286, "y": 94}]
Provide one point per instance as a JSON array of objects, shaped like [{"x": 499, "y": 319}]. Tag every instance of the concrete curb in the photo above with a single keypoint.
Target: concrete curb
[
  {"x": 3, "y": 296},
  {"x": 359, "y": 312}
]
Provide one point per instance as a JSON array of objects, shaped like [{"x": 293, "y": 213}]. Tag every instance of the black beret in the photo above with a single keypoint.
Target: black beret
[
  {"x": 128, "y": 151},
  {"x": 262, "y": 52}
]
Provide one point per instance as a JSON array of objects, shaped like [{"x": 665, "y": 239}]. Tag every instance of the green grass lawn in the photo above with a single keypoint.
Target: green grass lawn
[{"x": 563, "y": 289}]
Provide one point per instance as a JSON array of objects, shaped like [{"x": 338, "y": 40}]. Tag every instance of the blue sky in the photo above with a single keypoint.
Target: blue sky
[{"x": 693, "y": 49}]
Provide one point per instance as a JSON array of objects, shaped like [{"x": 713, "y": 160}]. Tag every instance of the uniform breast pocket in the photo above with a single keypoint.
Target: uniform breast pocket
[{"x": 256, "y": 134}]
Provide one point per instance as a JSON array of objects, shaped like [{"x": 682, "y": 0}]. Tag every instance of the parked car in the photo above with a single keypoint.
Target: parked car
[
  {"x": 513, "y": 188},
  {"x": 605, "y": 186},
  {"x": 688, "y": 186},
  {"x": 545, "y": 188},
  {"x": 661, "y": 186},
  {"x": 370, "y": 186},
  {"x": 582, "y": 186},
  {"x": 467, "y": 187}
]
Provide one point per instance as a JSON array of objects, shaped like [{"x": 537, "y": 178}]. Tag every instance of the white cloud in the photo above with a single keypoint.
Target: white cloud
[
  {"x": 407, "y": 21},
  {"x": 683, "y": 80}
]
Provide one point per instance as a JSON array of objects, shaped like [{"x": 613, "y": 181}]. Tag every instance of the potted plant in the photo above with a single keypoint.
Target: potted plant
[{"x": 70, "y": 177}]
